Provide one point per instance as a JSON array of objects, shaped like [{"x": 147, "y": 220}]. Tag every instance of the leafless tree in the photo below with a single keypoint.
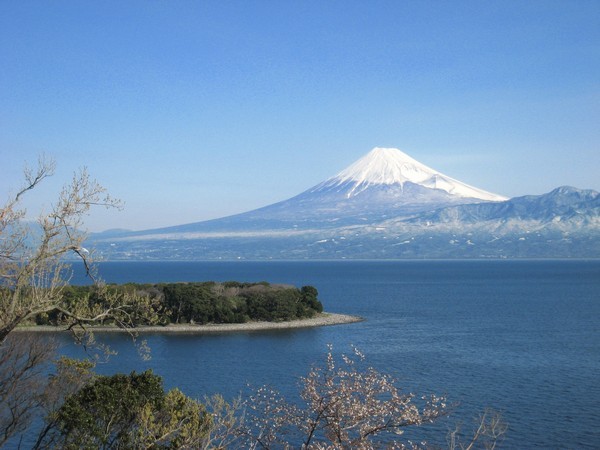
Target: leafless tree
[
  {"x": 489, "y": 430},
  {"x": 33, "y": 274},
  {"x": 32, "y": 267},
  {"x": 24, "y": 361},
  {"x": 227, "y": 422}
]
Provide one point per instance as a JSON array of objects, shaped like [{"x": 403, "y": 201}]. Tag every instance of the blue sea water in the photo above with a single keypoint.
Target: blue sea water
[{"x": 521, "y": 337}]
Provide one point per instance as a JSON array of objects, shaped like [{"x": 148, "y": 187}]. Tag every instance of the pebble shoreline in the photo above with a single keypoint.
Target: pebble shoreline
[{"x": 323, "y": 319}]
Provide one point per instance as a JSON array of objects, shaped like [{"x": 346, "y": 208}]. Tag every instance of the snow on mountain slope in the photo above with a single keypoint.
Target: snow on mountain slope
[
  {"x": 390, "y": 166},
  {"x": 563, "y": 204}
]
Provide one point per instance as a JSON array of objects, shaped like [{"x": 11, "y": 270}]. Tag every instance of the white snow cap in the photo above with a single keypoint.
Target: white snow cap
[{"x": 392, "y": 166}]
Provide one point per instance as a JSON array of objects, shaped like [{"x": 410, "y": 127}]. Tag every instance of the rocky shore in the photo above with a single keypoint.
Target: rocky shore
[{"x": 323, "y": 319}]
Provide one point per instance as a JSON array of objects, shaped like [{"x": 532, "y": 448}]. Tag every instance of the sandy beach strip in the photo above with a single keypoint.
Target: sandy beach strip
[{"x": 323, "y": 319}]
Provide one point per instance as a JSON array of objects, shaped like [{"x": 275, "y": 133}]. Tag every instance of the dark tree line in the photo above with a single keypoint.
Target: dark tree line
[{"x": 205, "y": 302}]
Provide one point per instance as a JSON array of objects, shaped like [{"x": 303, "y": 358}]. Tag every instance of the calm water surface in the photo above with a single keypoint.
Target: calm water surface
[{"x": 521, "y": 337}]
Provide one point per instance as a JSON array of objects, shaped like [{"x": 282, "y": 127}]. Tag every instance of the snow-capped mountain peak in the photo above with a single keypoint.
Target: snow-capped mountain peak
[
  {"x": 386, "y": 166},
  {"x": 390, "y": 166}
]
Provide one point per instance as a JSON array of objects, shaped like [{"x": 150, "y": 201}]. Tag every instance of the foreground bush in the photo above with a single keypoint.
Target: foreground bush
[{"x": 127, "y": 411}]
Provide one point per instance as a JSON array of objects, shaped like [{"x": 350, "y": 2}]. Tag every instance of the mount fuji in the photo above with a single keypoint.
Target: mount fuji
[
  {"x": 385, "y": 205},
  {"x": 384, "y": 183}
]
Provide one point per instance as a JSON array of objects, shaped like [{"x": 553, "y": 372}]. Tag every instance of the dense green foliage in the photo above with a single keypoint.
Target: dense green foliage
[
  {"x": 207, "y": 302},
  {"x": 127, "y": 412}
]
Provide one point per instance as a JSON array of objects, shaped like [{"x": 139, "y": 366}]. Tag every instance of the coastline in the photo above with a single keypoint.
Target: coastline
[{"x": 323, "y": 319}]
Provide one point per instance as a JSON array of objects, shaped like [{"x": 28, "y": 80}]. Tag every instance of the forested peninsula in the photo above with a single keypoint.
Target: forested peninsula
[{"x": 196, "y": 303}]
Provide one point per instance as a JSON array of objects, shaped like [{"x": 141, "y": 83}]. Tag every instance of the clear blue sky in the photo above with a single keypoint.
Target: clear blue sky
[{"x": 190, "y": 110}]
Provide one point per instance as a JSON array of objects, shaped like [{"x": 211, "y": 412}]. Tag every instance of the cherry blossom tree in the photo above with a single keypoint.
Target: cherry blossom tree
[{"x": 344, "y": 406}]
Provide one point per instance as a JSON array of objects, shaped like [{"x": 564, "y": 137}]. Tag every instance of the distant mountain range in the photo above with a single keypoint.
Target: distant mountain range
[{"x": 384, "y": 206}]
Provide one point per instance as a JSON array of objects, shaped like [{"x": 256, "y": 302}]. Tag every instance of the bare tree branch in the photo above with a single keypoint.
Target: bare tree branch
[
  {"x": 33, "y": 278},
  {"x": 32, "y": 269},
  {"x": 24, "y": 361}
]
